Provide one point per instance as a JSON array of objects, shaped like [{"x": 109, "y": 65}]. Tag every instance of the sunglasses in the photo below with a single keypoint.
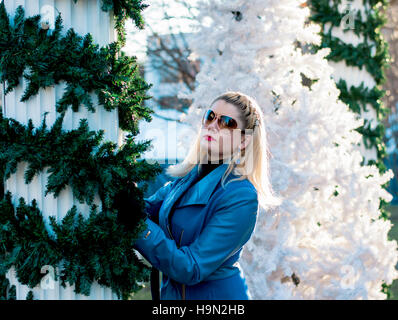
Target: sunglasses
[{"x": 224, "y": 122}]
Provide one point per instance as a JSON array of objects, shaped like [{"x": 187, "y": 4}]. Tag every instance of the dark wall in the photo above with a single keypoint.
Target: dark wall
[{"x": 391, "y": 161}]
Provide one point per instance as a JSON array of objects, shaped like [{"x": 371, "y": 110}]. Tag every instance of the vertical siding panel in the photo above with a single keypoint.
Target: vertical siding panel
[
  {"x": 10, "y": 106},
  {"x": 102, "y": 294},
  {"x": 64, "y": 201},
  {"x": 3, "y": 98},
  {"x": 22, "y": 191},
  {"x": 31, "y": 7},
  {"x": 65, "y": 8},
  {"x": 80, "y": 16},
  {"x": 10, "y": 6},
  {"x": 9, "y": 103},
  {"x": 20, "y": 109},
  {"x": 103, "y": 26},
  {"x": 101, "y": 42},
  {"x": 107, "y": 117},
  {"x": 13, "y": 180},
  {"x": 113, "y": 117},
  {"x": 93, "y": 23},
  {"x": 50, "y": 207}
]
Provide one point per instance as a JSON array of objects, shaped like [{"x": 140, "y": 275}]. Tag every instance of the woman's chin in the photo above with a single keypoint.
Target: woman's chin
[{"x": 208, "y": 145}]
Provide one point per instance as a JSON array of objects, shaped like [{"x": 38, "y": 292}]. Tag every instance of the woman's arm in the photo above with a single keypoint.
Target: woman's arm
[
  {"x": 229, "y": 228},
  {"x": 154, "y": 202},
  {"x": 126, "y": 204}
]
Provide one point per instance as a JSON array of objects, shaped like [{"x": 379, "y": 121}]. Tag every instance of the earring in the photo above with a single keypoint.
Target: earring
[{"x": 238, "y": 160}]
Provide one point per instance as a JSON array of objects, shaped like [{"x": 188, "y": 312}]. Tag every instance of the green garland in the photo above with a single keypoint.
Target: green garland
[
  {"x": 322, "y": 12},
  {"x": 75, "y": 158},
  {"x": 96, "y": 248},
  {"x": 85, "y": 69},
  {"x": 357, "y": 97},
  {"x": 7, "y": 292},
  {"x": 360, "y": 55},
  {"x": 122, "y": 10},
  {"x": 369, "y": 28}
]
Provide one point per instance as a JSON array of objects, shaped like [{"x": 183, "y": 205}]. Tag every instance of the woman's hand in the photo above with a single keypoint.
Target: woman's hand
[{"x": 130, "y": 209}]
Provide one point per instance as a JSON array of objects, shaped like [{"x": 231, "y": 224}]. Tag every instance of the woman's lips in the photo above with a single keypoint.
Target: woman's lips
[{"x": 209, "y": 138}]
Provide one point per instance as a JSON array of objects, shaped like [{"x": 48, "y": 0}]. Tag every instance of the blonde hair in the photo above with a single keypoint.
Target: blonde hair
[{"x": 256, "y": 151}]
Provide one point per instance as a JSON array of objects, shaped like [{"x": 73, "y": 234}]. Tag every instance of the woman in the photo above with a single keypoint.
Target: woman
[{"x": 209, "y": 212}]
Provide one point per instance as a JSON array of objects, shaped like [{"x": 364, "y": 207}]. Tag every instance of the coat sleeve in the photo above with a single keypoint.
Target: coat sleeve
[
  {"x": 229, "y": 228},
  {"x": 154, "y": 202}
]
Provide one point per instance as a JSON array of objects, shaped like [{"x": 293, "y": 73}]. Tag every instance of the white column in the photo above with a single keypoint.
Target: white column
[
  {"x": 352, "y": 74},
  {"x": 86, "y": 16}
]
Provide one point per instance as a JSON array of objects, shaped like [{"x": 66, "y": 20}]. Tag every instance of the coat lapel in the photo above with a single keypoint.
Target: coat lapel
[{"x": 198, "y": 194}]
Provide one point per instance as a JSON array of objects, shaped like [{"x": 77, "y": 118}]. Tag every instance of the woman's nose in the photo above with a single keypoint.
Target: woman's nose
[{"x": 213, "y": 125}]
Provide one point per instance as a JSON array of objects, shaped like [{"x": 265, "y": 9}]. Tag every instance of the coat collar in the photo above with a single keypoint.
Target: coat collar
[{"x": 199, "y": 193}]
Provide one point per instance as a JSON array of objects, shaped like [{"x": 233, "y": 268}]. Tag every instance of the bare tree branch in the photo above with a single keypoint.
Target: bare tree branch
[{"x": 168, "y": 53}]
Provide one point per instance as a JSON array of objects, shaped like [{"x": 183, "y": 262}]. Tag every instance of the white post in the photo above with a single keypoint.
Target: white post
[
  {"x": 352, "y": 74},
  {"x": 86, "y": 16}
]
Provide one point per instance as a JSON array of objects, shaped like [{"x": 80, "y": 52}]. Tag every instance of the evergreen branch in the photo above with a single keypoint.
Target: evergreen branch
[
  {"x": 86, "y": 249},
  {"x": 97, "y": 248},
  {"x": 369, "y": 26},
  {"x": 76, "y": 158},
  {"x": 357, "y": 97},
  {"x": 123, "y": 9},
  {"x": 39, "y": 56}
]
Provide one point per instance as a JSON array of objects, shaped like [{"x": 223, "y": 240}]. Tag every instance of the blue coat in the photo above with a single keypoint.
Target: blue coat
[{"x": 198, "y": 251}]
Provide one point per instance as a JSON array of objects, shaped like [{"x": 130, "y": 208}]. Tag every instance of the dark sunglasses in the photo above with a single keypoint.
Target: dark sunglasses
[{"x": 224, "y": 122}]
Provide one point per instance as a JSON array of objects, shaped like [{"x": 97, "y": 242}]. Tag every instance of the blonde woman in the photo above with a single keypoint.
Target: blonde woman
[{"x": 199, "y": 223}]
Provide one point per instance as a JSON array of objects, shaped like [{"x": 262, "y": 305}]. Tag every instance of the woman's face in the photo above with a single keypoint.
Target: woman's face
[{"x": 224, "y": 142}]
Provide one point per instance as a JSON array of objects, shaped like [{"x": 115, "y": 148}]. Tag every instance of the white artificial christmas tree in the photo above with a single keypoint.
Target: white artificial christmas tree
[{"x": 325, "y": 241}]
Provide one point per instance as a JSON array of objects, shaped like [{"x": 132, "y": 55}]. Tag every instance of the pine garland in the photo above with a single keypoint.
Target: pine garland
[
  {"x": 322, "y": 12},
  {"x": 122, "y": 10},
  {"x": 358, "y": 97},
  {"x": 39, "y": 56},
  {"x": 325, "y": 11},
  {"x": 75, "y": 158},
  {"x": 94, "y": 249},
  {"x": 7, "y": 292},
  {"x": 358, "y": 56},
  {"x": 83, "y": 250},
  {"x": 374, "y": 57},
  {"x": 361, "y": 55}
]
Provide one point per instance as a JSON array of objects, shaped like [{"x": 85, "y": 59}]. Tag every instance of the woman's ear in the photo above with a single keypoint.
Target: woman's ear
[{"x": 246, "y": 139}]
